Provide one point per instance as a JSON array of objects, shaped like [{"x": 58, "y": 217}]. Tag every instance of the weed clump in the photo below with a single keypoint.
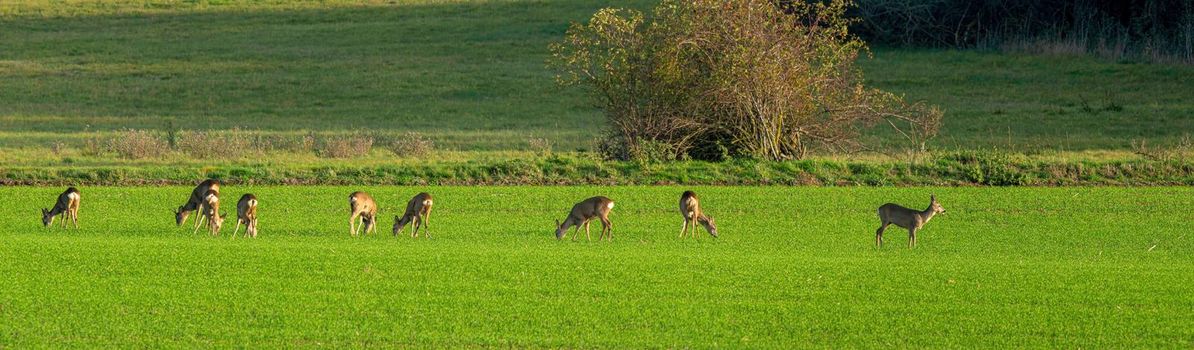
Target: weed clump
[
  {"x": 411, "y": 145},
  {"x": 137, "y": 144},
  {"x": 217, "y": 145},
  {"x": 343, "y": 146}
]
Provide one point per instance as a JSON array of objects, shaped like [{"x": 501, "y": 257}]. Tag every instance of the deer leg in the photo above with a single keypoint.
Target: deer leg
[
  {"x": 75, "y": 216},
  {"x": 912, "y": 237},
  {"x": 198, "y": 220},
  {"x": 588, "y": 237},
  {"x": 414, "y": 232},
  {"x": 352, "y": 225},
  {"x": 426, "y": 223},
  {"x": 684, "y": 228},
  {"x": 607, "y": 228},
  {"x": 879, "y": 235}
]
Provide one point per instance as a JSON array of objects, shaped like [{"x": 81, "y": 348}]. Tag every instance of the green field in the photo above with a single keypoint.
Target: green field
[{"x": 795, "y": 267}]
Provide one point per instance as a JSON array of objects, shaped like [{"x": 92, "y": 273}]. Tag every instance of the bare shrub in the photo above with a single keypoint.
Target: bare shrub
[
  {"x": 233, "y": 144},
  {"x": 540, "y": 146},
  {"x": 411, "y": 145},
  {"x": 760, "y": 80},
  {"x": 343, "y": 146},
  {"x": 93, "y": 147},
  {"x": 138, "y": 144}
]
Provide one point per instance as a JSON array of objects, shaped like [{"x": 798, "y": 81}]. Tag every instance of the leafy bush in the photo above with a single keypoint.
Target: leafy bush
[{"x": 760, "y": 80}]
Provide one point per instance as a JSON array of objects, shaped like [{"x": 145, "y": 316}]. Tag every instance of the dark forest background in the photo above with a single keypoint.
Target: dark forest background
[{"x": 1147, "y": 30}]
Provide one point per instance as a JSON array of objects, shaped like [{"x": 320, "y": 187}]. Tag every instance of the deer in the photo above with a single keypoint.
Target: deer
[
  {"x": 246, "y": 212},
  {"x": 417, "y": 210},
  {"x": 910, "y": 219},
  {"x": 210, "y": 211},
  {"x": 195, "y": 202},
  {"x": 67, "y": 206},
  {"x": 361, "y": 205},
  {"x": 584, "y": 212},
  {"x": 690, "y": 209}
]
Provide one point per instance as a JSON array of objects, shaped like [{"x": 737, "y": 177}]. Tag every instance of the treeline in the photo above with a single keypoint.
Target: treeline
[{"x": 1155, "y": 30}]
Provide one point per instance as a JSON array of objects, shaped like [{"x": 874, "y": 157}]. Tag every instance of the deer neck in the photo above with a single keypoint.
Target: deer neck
[{"x": 926, "y": 214}]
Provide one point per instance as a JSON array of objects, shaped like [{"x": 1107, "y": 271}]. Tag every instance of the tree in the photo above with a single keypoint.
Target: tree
[{"x": 761, "y": 80}]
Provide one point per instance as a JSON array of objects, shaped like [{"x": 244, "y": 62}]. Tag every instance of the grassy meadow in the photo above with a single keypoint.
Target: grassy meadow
[
  {"x": 794, "y": 267},
  {"x": 471, "y": 75}
]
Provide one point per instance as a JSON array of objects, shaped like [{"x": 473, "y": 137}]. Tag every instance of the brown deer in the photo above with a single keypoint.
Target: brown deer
[
  {"x": 690, "y": 208},
  {"x": 910, "y": 219},
  {"x": 361, "y": 205},
  {"x": 585, "y": 211},
  {"x": 417, "y": 210},
  {"x": 67, "y": 206},
  {"x": 246, "y": 212},
  {"x": 195, "y": 202},
  {"x": 209, "y": 211}
]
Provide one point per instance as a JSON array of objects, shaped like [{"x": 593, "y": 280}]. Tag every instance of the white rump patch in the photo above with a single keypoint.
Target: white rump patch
[
  {"x": 252, "y": 202},
  {"x": 427, "y": 203},
  {"x": 73, "y": 195},
  {"x": 611, "y": 205}
]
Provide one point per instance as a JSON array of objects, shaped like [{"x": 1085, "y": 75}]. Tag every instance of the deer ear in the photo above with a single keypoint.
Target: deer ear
[
  {"x": 933, "y": 198},
  {"x": 557, "y": 223}
]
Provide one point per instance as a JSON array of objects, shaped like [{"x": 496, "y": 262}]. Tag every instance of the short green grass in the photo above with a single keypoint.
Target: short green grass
[
  {"x": 471, "y": 75},
  {"x": 795, "y": 267}
]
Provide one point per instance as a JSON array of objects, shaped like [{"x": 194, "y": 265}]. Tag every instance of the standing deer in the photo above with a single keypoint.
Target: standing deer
[
  {"x": 417, "y": 210},
  {"x": 246, "y": 212},
  {"x": 360, "y": 204},
  {"x": 195, "y": 202},
  {"x": 585, "y": 211},
  {"x": 210, "y": 211},
  {"x": 910, "y": 219},
  {"x": 690, "y": 208},
  {"x": 67, "y": 206}
]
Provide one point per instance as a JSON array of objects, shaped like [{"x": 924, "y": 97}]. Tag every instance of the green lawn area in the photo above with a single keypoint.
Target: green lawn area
[
  {"x": 794, "y": 267},
  {"x": 471, "y": 75}
]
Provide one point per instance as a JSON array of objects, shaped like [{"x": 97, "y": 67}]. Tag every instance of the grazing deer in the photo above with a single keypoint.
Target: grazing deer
[
  {"x": 210, "y": 211},
  {"x": 690, "y": 208},
  {"x": 196, "y": 202},
  {"x": 360, "y": 204},
  {"x": 910, "y": 219},
  {"x": 67, "y": 206},
  {"x": 246, "y": 212},
  {"x": 585, "y": 211},
  {"x": 417, "y": 210}
]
